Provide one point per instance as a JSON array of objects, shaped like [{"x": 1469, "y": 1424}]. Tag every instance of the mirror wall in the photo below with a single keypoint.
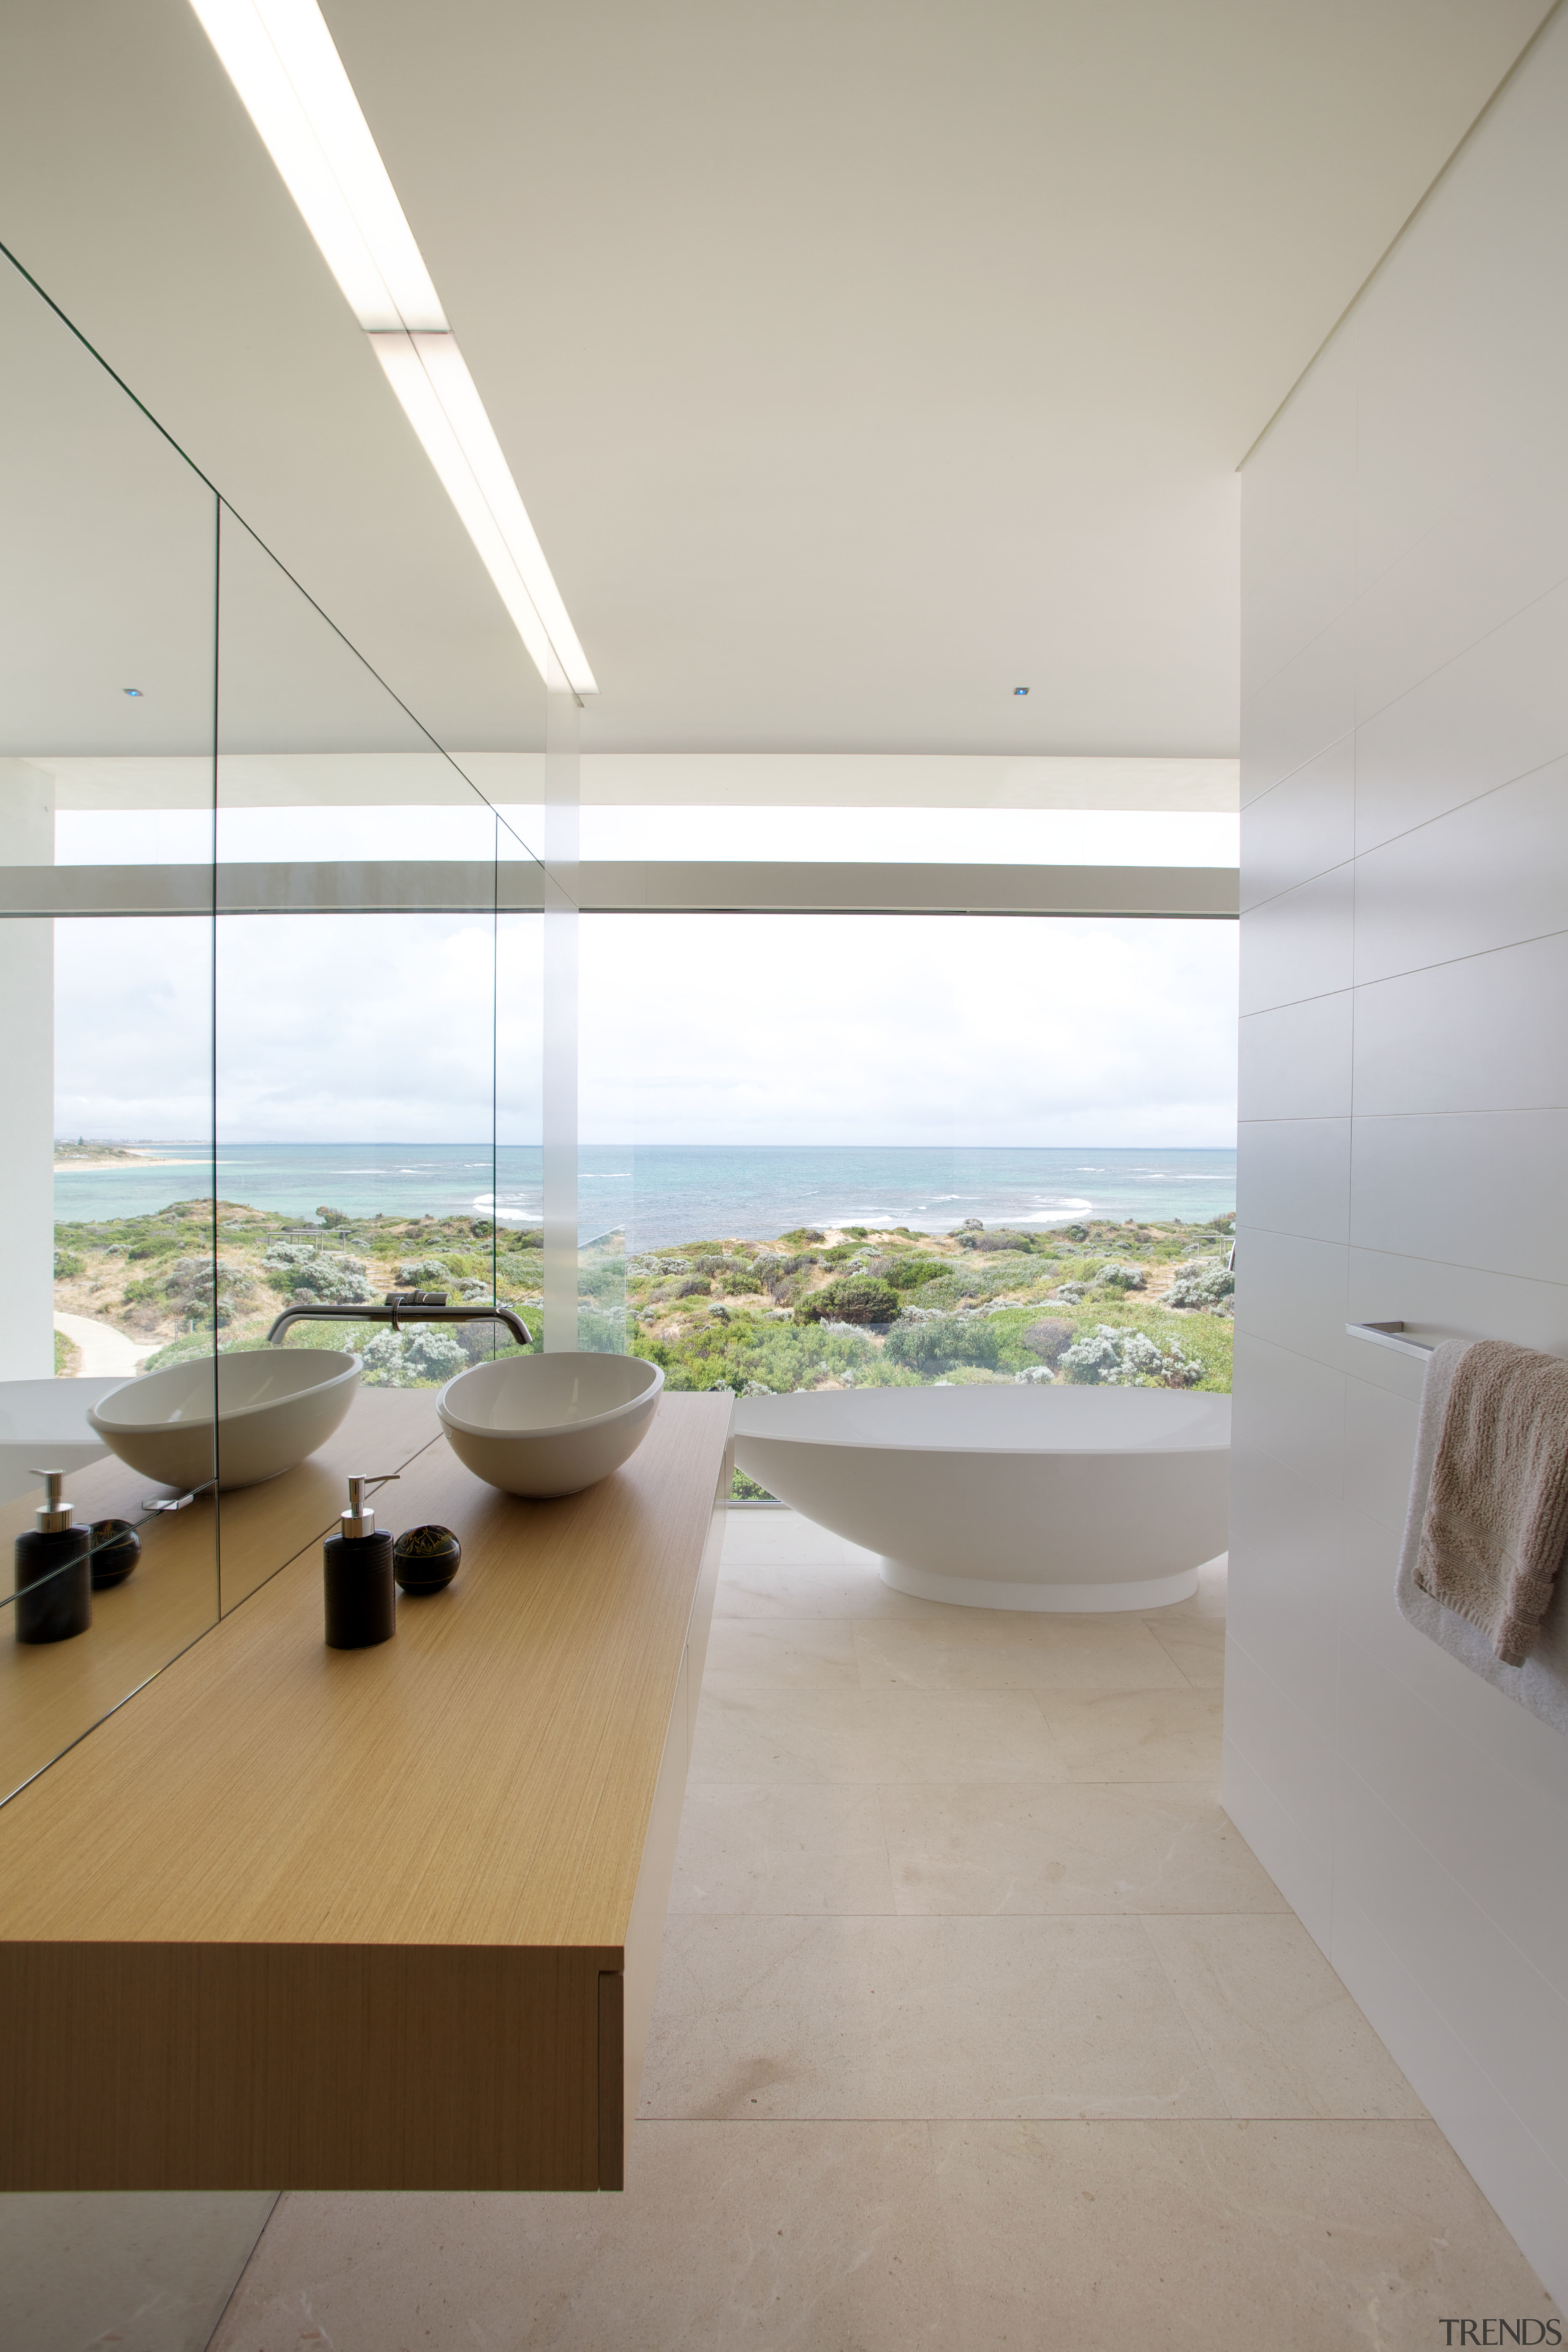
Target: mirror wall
[{"x": 273, "y": 976}]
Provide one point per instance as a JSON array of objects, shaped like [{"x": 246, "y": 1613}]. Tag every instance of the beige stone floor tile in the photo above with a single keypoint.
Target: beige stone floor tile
[
  {"x": 1160, "y": 1734},
  {"x": 786, "y": 1536},
  {"x": 815, "y": 1589},
  {"x": 907, "y": 2017},
  {"x": 815, "y": 2237},
  {"x": 144, "y": 2270},
  {"x": 1218, "y": 2237},
  {"x": 1012, "y": 1649},
  {"x": 1195, "y": 1644},
  {"x": 1074, "y": 1847},
  {"x": 1281, "y": 2034},
  {"x": 760, "y": 1736},
  {"x": 782, "y": 1654},
  {"x": 804, "y": 1847}
]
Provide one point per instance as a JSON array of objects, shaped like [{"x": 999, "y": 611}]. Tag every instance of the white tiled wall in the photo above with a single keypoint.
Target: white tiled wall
[{"x": 1405, "y": 1121}]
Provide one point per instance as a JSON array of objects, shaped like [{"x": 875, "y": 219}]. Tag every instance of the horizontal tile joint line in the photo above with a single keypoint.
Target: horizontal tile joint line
[{"x": 1449, "y": 963}]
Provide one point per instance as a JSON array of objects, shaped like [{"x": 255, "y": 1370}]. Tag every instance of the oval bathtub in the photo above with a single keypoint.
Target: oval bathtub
[{"x": 1026, "y": 1498}]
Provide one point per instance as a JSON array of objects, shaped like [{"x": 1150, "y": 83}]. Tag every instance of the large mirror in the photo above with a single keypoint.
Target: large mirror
[
  {"x": 108, "y": 667},
  {"x": 272, "y": 997}
]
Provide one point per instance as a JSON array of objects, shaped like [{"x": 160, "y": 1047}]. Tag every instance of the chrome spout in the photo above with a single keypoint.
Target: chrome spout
[{"x": 399, "y": 1316}]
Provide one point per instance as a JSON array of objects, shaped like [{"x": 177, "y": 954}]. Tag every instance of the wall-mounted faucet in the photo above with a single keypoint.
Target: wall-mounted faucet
[{"x": 400, "y": 1312}]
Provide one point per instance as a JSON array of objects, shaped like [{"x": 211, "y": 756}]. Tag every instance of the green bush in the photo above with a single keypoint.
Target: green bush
[
  {"x": 853, "y": 1298},
  {"x": 1204, "y": 1282},
  {"x": 908, "y": 1273},
  {"x": 1047, "y": 1339},
  {"x": 1111, "y": 1359},
  {"x": 428, "y": 1272},
  {"x": 407, "y": 1360},
  {"x": 1206, "y": 1337},
  {"x": 944, "y": 1340},
  {"x": 66, "y": 1266},
  {"x": 198, "y": 1343},
  {"x": 779, "y": 1358}
]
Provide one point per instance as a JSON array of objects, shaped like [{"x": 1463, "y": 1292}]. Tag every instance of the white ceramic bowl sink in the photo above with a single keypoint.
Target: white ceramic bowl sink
[
  {"x": 549, "y": 1424},
  {"x": 274, "y": 1406}
]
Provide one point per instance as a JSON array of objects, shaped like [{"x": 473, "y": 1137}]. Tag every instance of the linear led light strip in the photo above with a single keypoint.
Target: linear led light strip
[{"x": 281, "y": 59}]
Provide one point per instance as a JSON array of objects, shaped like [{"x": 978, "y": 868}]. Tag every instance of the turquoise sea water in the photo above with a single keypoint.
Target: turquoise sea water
[{"x": 675, "y": 1193}]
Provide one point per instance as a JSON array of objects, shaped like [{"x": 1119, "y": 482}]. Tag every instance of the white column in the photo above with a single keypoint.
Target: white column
[
  {"x": 27, "y": 1088},
  {"x": 561, "y": 790}
]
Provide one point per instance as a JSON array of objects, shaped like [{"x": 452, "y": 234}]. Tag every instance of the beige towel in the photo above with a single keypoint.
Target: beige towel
[{"x": 1497, "y": 1512}]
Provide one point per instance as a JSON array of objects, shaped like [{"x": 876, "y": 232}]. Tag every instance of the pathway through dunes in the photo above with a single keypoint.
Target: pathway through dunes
[{"x": 104, "y": 1352}]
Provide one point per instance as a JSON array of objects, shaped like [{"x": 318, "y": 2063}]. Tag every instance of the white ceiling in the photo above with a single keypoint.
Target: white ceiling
[{"x": 858, "y": 362}]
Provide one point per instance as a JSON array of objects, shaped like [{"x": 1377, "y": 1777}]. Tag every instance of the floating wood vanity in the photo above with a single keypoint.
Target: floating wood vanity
[{"x": 389, "y": 1919}]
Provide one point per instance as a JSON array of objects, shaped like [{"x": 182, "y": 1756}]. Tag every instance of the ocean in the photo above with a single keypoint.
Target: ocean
[{"x": 665, "y": 1193}]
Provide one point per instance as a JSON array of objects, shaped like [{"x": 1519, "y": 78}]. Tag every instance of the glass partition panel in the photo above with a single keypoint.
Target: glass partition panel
[
  {"x": 518, "y": 1201},
  {"x": 377, "y": 1028},
  {"x": 108, "y": 620}
]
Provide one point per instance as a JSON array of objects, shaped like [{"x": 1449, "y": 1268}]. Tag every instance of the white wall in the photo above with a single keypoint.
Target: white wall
[{"x": 1404, "y": 1119}]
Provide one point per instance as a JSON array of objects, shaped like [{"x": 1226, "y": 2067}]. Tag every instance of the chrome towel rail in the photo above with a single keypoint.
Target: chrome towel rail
[{"x": 1391, "y": 1335}]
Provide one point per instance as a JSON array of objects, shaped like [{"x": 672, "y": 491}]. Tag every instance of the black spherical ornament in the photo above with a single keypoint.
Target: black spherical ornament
[
  {"x": 114, "y": 1549},
  {"x": 426, "y": 1559}
]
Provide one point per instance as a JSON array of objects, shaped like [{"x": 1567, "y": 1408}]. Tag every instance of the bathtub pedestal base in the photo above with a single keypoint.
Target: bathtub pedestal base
[{"x": 999, "y": 1592}]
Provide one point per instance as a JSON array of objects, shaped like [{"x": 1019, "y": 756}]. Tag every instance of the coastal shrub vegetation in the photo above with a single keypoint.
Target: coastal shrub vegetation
[
  {"x": 854, "y": 1298},
  {"x": 1110, "y": 1359},
  {"x": 806, "y": 1309},
  {"x": 946, "y": 1341},
  {"x": 1203, "y": 1282}
]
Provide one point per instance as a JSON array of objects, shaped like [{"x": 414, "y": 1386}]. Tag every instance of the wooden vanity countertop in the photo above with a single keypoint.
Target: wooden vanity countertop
[
  {"x": 484, "y": 1779},
  {"x": 52, "y": 1693}
]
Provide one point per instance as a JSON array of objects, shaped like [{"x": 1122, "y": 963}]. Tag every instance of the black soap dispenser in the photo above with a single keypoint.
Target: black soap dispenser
[
  {"x": 54, "y": 1576},
  {"x": 362, "y": 1598}
]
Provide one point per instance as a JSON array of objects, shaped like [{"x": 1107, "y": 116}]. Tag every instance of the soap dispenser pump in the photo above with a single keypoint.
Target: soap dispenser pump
[
  {"x": 362, "y": 1598},
  {"x": 54, "y": 1574}
]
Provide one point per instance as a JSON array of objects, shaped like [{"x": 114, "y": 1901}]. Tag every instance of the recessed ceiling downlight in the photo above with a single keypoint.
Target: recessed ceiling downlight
[
  {"x": 133, "y": 691},
  {"x": 1020, "y": 689},
  {"x": 281, "y": 59}
]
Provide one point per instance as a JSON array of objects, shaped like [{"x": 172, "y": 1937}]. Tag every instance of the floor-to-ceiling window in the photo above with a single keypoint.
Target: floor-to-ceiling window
[{"x": 884, "y": 1149}]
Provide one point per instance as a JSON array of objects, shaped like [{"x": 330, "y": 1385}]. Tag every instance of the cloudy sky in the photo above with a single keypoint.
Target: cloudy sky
[{"x": 719, "y": 1028}]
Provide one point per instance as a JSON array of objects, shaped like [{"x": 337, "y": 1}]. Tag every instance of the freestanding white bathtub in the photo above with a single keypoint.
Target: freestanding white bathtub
[{"x": 1026, "y": 1498}]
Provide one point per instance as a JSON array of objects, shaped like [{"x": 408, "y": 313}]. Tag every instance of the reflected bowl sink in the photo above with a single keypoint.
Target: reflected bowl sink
[
  {"x": 274, "y": 1406},
  {"x": 45, "y": 1422},
  {"x": 549, "y": 1424}
]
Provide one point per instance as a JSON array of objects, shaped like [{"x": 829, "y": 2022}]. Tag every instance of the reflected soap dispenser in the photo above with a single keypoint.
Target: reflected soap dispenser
[
  {"x": 362, "y": 1598},
  {"x": 54, "y": 1574}
]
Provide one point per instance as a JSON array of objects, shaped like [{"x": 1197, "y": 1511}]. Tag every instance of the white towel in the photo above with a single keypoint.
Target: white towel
[{"x": 1541, "y": 1683}]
